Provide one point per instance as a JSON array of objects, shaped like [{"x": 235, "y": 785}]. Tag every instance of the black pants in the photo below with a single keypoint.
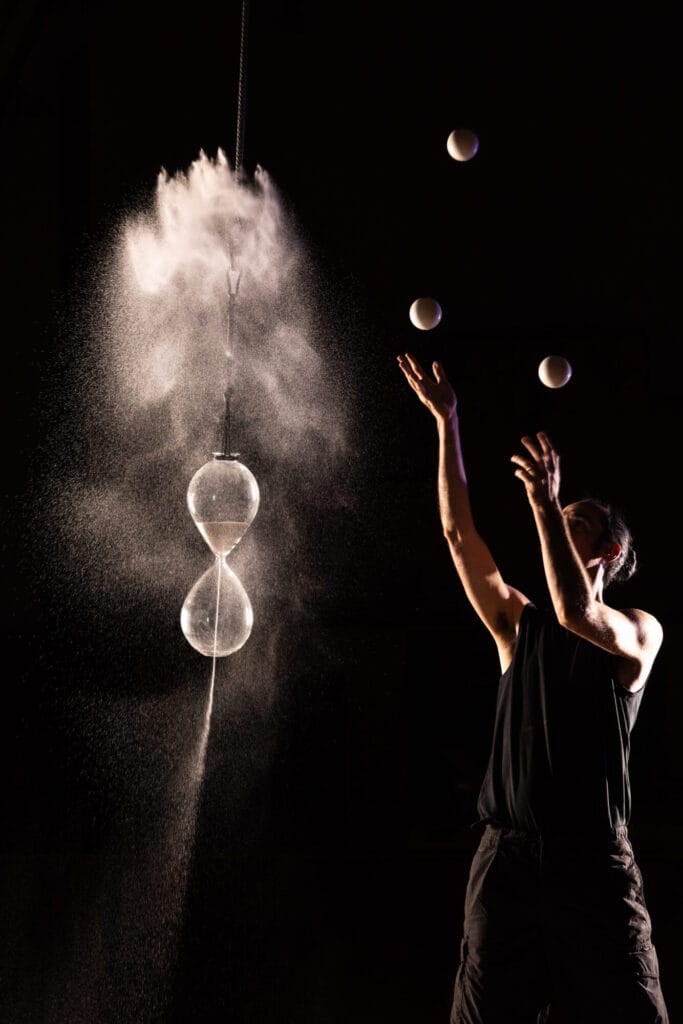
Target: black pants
[{"x": 556, "y": 930}]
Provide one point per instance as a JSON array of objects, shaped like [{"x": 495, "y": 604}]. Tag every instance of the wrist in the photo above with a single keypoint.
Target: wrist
[
  {"x": 446, "y": 420},
  {"x": 548, "y": 507}
]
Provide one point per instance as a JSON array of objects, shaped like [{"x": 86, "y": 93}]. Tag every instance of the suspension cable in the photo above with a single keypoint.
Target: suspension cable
[
  {"x": 233, "y": 274},
  {"x": 241, "y": 88}
]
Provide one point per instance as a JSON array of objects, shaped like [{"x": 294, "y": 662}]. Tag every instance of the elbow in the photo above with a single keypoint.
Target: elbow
[
  {"x": 572, "y": 616},
  {"x": 564, "y": 620},
  {"x": 453, "y": 535}
]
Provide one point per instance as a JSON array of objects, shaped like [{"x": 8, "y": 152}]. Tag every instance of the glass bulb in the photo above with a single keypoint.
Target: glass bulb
[
  {"x": 223, "y": 498},
  {"x": 217, "y": 616}
]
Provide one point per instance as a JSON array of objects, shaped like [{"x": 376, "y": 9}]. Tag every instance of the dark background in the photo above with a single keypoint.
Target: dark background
[{"x": 333, "y": 890}]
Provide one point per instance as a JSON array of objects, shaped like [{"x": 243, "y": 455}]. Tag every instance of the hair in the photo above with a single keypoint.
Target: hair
[{"x": 616, "y": 531}]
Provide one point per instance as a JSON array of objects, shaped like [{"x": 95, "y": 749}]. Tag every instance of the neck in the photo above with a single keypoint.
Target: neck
[{"x": 597, "y": 576}]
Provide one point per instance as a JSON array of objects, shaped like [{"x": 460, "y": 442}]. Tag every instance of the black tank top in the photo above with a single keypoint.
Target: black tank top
[{"x": 561, "y": 738}]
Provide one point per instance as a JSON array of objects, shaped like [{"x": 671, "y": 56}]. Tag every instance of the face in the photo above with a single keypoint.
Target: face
[{"x": 586, "y": 525}]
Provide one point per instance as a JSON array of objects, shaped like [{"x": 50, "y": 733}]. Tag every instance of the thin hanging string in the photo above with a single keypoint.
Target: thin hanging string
[
  {"x": 241, "y": 89},
  {"x": 226, "y": 422},
  {"x": 233, "y": 285},
  {"x": 233, "y": 274}
]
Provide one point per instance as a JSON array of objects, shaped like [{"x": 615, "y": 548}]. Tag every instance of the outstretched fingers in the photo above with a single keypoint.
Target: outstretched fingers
[
  {"x": 407, "y": 368},
  {"x": 533, "y": 448},
  {"x": 539, "y": 467},
  {"x": 413, "y": 373},
  {"x": 441, "y": 377},
  {"x": 550, "y": 455},
  {"x": 542, "y": 451},
  {"x": 409, "y": 361},
  {"x": 412, "y": 369},
  {"x": 545, "y": 443},
  {"x": 434, "y": 391},
  {"x": 525, "y": 467}
]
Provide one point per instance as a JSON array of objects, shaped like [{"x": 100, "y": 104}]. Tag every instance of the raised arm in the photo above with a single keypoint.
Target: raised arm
[
  {"x": 498, "y": 605},
  {"x": 575, "y": 553}
]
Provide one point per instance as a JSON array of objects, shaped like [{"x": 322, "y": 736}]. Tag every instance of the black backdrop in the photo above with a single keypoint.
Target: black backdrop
[{"x": 330, "y": 886}]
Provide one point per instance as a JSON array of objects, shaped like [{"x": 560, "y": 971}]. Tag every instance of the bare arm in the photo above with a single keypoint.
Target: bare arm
[
  {"x": 574, "y": 568},
  {"x": 498, "y": 605}
]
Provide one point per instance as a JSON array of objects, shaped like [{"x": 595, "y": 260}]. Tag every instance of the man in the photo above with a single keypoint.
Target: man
[{"x": 556, "y": 927}]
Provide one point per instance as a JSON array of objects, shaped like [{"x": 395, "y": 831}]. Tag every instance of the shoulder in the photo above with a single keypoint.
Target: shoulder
[
  {"x": 648, "y": 627},
  {"x": 633, "y": 672},
  {"x": 509, "y": 628}
]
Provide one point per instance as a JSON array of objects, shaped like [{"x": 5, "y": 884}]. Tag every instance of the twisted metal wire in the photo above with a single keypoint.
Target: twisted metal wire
[
  {"x": 233, "y": 276},
  {"x": 242, "y": 88}
]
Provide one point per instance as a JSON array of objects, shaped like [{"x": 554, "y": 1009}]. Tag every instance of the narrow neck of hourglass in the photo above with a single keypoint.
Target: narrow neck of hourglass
[{"x": 222, "y": 536}]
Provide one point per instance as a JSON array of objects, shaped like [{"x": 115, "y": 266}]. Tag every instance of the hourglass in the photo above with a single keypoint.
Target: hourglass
[{"x": 223, "y": 498}]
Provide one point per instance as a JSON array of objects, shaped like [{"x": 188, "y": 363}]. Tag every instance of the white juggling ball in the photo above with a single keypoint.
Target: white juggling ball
[
  {"x": 462, "y": 144},
  {"x": 425, "y": 313},
  {"x": 554, "y": 371}
]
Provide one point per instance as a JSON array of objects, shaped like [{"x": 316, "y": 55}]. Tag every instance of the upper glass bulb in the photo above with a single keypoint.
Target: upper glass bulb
[{"x": 223, "y": 498}]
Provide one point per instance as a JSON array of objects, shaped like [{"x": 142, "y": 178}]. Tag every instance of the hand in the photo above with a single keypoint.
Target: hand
[
  {"x": 437, "y": 394},
  {"x": 539, "y": 471}
]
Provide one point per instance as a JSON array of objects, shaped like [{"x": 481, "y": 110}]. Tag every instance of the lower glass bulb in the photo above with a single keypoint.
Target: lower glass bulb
[{"x": 217, "y": 616}]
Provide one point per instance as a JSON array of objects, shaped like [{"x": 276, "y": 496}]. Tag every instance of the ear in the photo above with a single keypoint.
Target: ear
[{"x": 611, "y": 552}]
